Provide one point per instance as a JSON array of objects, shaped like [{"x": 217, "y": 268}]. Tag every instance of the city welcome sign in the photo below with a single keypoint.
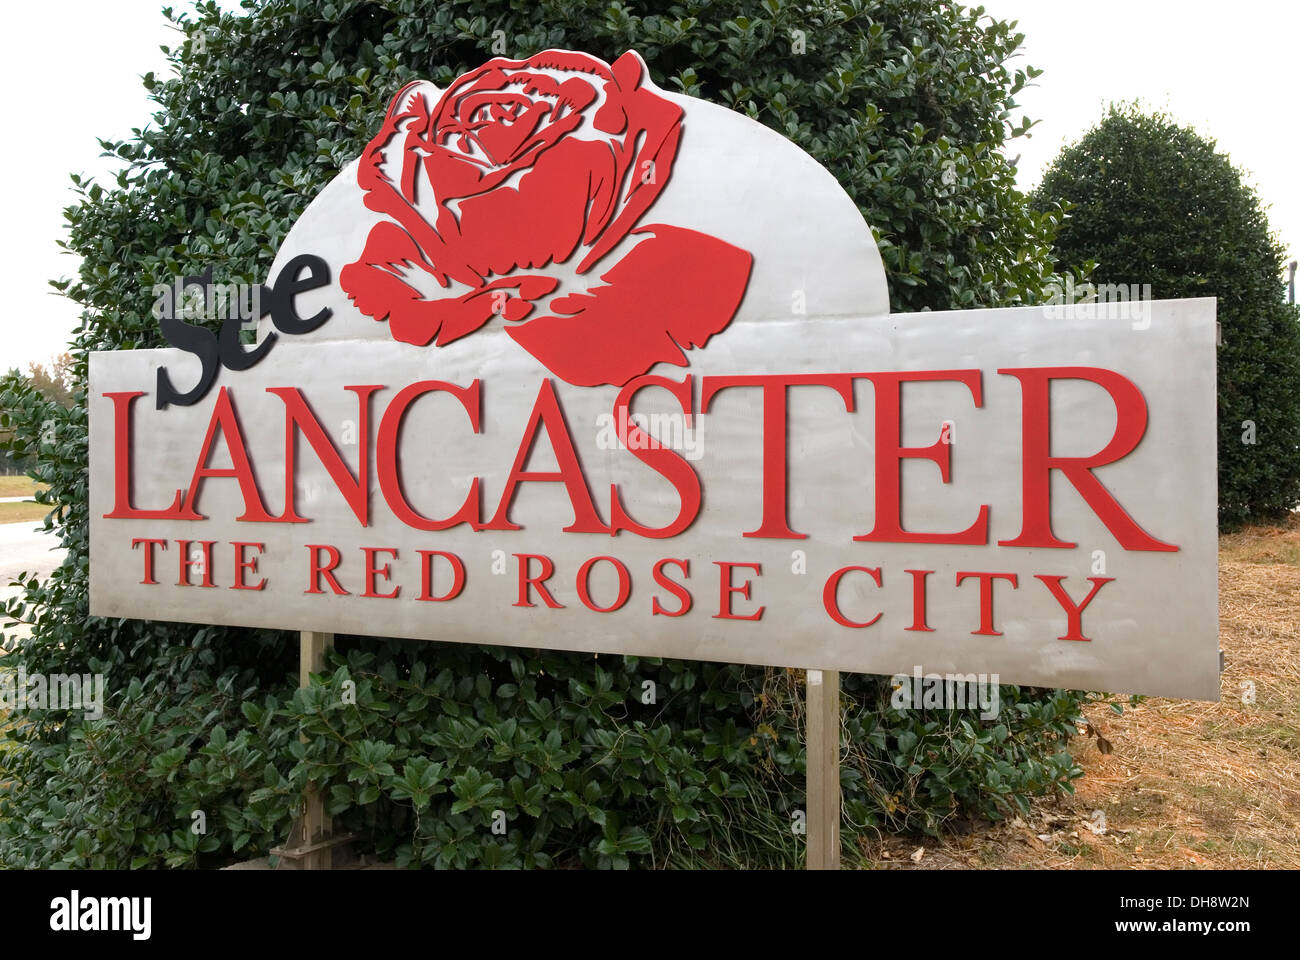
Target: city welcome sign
[{"x": 565, "y": 360}]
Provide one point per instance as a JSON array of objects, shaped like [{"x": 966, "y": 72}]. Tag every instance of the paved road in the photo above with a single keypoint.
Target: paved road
[{"x": 25, "y": 548}]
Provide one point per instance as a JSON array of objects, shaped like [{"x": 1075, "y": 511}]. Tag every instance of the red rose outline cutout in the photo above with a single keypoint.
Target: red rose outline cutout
[{"x": 500, "y": 178}]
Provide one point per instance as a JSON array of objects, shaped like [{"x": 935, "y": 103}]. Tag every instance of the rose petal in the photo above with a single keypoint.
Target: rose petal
[
  {"x": 377, "y": 282},
  {"x": 469, "y": 312},
  {"x": 539, "y": 222},
  {"x": 379, "y": 285},
  {"x": 672, "y": 291},
  {"x": 656, "y": 125}
]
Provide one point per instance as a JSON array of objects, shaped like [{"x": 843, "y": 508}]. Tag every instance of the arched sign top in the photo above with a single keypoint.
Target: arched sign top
[{"x": 601, "y": 224}]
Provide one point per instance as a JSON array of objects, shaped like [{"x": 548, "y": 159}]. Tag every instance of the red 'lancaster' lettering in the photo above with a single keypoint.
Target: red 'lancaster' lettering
[
  {"x": 226, "y": 420},
  {"x": 1036, "y": 455},
  {"x": 299, "y": 418},
  {"x": 890, "y": 454},
  {"x": 122, "y": 459},
  {"x": 547, "y": 412},
  {"x": 670, "y": 464},
  {"x": 388, "y": 456},
  {"x": 776, "y": 522}
]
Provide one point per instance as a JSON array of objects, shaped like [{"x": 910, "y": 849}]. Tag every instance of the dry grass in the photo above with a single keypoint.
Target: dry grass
[
  {"x": 1188, "y": 784},
  {"x": 27, "y": 510},
  {"x": 18, "y": 486}
]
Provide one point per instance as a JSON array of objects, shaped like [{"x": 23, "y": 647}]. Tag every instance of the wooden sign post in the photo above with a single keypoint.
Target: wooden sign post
[
  {"x": 823, "y": 769},
  {"x": 311, "y": 842}
]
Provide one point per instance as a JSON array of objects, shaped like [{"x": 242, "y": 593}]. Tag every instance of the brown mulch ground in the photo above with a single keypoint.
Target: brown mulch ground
[{"x": 1187, "y": 784}]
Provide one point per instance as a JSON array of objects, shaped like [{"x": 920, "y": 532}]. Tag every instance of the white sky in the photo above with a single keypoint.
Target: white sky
[
  {"x": 1230, "y": 72},
  {"x": 62, "y": 95}
]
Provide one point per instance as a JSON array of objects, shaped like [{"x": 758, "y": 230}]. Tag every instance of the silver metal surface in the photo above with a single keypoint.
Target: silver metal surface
[
  {"x": 816, "y": 303},
  {"x": 1154, "y": 629}
]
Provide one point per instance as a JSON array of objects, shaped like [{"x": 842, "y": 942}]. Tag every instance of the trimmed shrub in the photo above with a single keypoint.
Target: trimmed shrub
[
  {"x": 1153, "y": 202},
  {"x": 417, "y": 746}
]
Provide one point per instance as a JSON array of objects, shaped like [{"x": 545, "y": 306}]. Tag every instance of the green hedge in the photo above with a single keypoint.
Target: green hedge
[
  {"x": 1153, "y": 202},
  {"x": 906, "y": 101}
]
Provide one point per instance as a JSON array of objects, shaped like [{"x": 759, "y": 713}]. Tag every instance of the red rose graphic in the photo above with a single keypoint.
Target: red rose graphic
[{"x": 523, "y": 164}]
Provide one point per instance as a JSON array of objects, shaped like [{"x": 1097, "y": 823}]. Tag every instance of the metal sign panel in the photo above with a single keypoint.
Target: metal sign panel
[{"x": 658, "y": 406}]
